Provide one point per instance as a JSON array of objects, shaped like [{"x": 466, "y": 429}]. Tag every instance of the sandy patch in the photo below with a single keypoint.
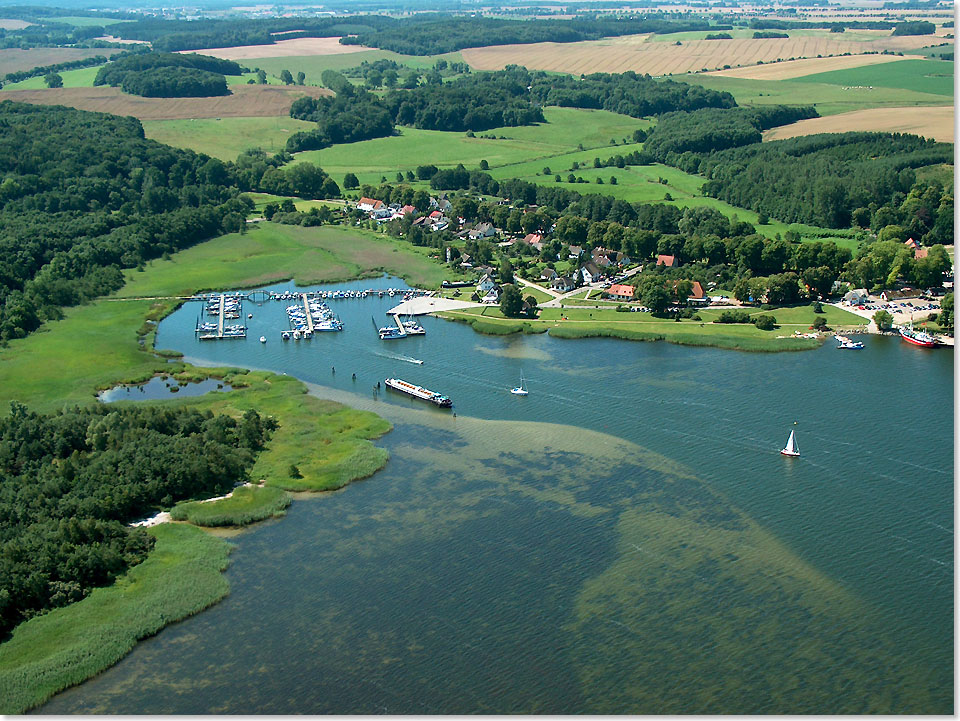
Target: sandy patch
[
  {"x": 809, "y": 66},
  {"x": 121, "y": 41},
  {"x": 930, "y": 122},
  {"x": 247, "y": 101},
  {"x": 284, "y": 49},
  {"x": 640, "y": 54}
]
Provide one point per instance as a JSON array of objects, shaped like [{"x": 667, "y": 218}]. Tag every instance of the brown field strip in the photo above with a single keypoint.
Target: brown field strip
[
  {"x": 297, "y": 47},
  {"x": 9, "y": 24},
  {"x": 635, "y": 52},
  {"x": 247, "y": 101},
  {"x": 932, "y": 122},
  {"x": 13, "y": 60},
  {"x": 808, "y": 66}
]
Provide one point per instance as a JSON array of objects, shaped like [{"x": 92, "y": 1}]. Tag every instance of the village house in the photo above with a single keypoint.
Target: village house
[
  {"x": 532, "y": 238},
  {"x": 368, "y": 204},
  {"x": 562, "y": 284},
  {"x": 485, "y": 284},
  {"x": 575, "y": 252},
  {"x": 548, "y": 274},
  {"x": 491, "y": 296},
  {"x": 857, "y": 296},
  {"x": 668, "y": 260},
  {"x": 620, "y": 292},
  {"x": 483, "y": 230},
  {"x": 589, "y": 273}
]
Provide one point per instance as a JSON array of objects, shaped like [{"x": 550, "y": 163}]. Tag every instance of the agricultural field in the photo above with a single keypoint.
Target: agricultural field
[
  {"x": 925, "y": 76},
  {"x": 936, "y": 123},
  {"x": 85, "y": 22},
  {"x": 80, "y": 78},
  {"x": 11, "y": 24},
  {"x": 807, "y": 66},
  {"x": 246, "y": 101},
  {"x": 284, "y": 48},
  {"x": 642, "y": 54},
  {"x": 827, "y": 99},
  {"x": 14, "y": 59},
  {"x": 228, "y": 137},
  {"x": 566, "y": 128}
]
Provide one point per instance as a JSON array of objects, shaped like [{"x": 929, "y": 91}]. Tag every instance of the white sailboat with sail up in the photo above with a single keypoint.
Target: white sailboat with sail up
[
  {"x": 520, "y": 390},
  {"x": 791, "y": 449}
]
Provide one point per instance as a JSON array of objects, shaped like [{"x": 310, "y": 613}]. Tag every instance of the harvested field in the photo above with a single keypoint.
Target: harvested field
[
  {"x": 638, "y": 53},
  {"x": 935, "y": 123},
  {"x": 10, "y": 24},
  {"x": 247, "y": 101},
  {"x": 284, "y": 49},
  {"x": 808, "y": 66},
  {"x": 13, "y": 59}
]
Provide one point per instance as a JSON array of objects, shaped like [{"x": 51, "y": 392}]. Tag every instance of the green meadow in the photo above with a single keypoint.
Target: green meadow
[
  {"x": 314, "y": 65},
  {"x": 82, "y": 22},
  {"x": 224, "y": 138},
  {"x": 80, "y": 78},
  {"x": 827, "y": 98},
  {"x": 925, "y": 76}
]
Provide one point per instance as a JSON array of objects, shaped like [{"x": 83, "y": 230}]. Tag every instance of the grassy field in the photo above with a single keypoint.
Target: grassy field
[
  {"x": 566, "y": 128},
  {"x": 225, "y": 138},
  {"x": 181, "y": 576},
  {"x": 607, "y": 322},
  {"x": 827, "y": 98},
  {"x": 314, "y": 65},
  {"x": 925, "y": 76},
  {"x": 80, "y": 78},
  {"x": 82, "y": 22}
]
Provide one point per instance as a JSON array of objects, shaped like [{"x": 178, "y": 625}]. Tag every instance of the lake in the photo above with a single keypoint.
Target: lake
[{"x": 625, "y": 539}]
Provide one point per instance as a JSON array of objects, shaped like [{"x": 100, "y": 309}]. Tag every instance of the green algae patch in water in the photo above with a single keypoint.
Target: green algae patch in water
[{"x": 182, "y": 575}]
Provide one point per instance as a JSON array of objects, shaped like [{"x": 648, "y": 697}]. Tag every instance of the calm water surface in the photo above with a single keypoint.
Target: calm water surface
[{"x": 626, "y": 539}]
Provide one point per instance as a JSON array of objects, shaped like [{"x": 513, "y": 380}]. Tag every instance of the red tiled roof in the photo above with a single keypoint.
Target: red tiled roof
[
  {"x": 622, "y": 291},
  {"x": 668, "y": 260}
]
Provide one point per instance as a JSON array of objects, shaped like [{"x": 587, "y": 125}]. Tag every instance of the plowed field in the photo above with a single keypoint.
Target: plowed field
[
  {"x": 284, "y": 49},
  {"x": 247, "y": 101},
  {"x": 934, "y": 122},
  {"x": 636, "y": 52}
]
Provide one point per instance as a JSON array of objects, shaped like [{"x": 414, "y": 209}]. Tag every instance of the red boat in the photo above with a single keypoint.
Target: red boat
[{"x": 919, "y": 337}]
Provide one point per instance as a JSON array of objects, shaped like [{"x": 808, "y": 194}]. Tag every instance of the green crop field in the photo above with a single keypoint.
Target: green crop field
[
  {"x": 225, "y": 138},
  {"x": 925, "y": 76},
  {"x": 828, "y": 99},
  {"x": 566, "y": 128},
  {"x": 80, "y": 78}
]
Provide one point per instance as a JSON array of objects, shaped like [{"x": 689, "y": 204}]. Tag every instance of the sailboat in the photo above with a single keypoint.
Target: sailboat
[
  {"x": 520, "y": 390},
  {"x": 791, "y": 449}
]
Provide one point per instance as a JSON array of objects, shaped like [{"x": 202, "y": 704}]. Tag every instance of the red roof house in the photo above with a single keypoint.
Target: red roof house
[
  {"x": 624, "y": 292},
  {"x": 668, "y": 260}
]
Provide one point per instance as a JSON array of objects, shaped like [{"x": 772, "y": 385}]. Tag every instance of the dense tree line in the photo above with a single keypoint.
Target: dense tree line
[
  {"x": 346, "y": 118},
  {"x": 71, "y": 482},
  {"x": 818, "y": 179},
  {"x": 918, "y": 27},
  {"x": 174, "y": 82},
  {"x": 475, "y": 102},
  {"x": 255, "y": 171},
  {"x": 710, "y": 129},
  {"x": 768, "y": 34},
  {"x": 84, "y": 195},
  {"x": 625, "y": 93},
  {"x": 773, "y": 24},
  {"x": 432, "y": 35}
]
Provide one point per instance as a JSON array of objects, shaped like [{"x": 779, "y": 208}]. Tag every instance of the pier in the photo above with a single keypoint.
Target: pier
[
  {"x": 306, "y": 310},
  {"x": 223, "y": 303}
]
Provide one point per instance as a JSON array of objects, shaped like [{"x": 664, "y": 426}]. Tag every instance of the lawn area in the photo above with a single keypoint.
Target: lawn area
[
  {"x": 540, "y": 295},
  {"x": 925, "y": 76},
  {"x": 827, "y": 98},
  {"x": 566, "y": 128},
  {"x": 225, "y": 138}
]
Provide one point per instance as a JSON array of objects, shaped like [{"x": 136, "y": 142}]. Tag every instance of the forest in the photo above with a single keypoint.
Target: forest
[
  {"x": 625, "y": 93},
  {"x": 70, "y": 483},
  {"x": 169, "y": 75},
  {"x": 83, "y": 196},
  {"x": 436, "y": 34}
]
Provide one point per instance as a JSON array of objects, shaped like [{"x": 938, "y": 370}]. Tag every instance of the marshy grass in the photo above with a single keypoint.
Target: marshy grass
[
  {"x": 246, "y": 505},
  {"x": 49, "y": 653}
]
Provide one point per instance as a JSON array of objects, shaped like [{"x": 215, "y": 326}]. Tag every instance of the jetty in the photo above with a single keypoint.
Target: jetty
[{"x": 306, "y": 310}]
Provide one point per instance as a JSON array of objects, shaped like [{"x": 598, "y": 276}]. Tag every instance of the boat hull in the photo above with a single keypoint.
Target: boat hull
[
  {"x": 789, "y": 454},
  {"x": 913, "y": 340},
  {"x": 418, "y": 392}
]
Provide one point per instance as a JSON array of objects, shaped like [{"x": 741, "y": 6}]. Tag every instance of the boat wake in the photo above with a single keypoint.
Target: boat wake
[{"x": 397, "y": 356}]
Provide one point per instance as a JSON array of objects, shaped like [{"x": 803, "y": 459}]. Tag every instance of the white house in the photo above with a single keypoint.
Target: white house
[{"x": 485, "y": 284}]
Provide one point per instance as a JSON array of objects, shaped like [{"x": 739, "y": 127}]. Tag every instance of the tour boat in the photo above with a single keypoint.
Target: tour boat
[
  {"x": 791, "y": 449},
  {"x": 520, "y": 390},
  {"x": 263, "y": 339},
  {"x": 418, "y": 392}
]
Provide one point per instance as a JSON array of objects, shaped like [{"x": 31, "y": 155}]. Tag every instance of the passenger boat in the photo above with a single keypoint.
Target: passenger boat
[
  {"x": 918, "y": 337},
  {"x": 791, "y": 449},
  {"x": 418, "y": 392}
]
